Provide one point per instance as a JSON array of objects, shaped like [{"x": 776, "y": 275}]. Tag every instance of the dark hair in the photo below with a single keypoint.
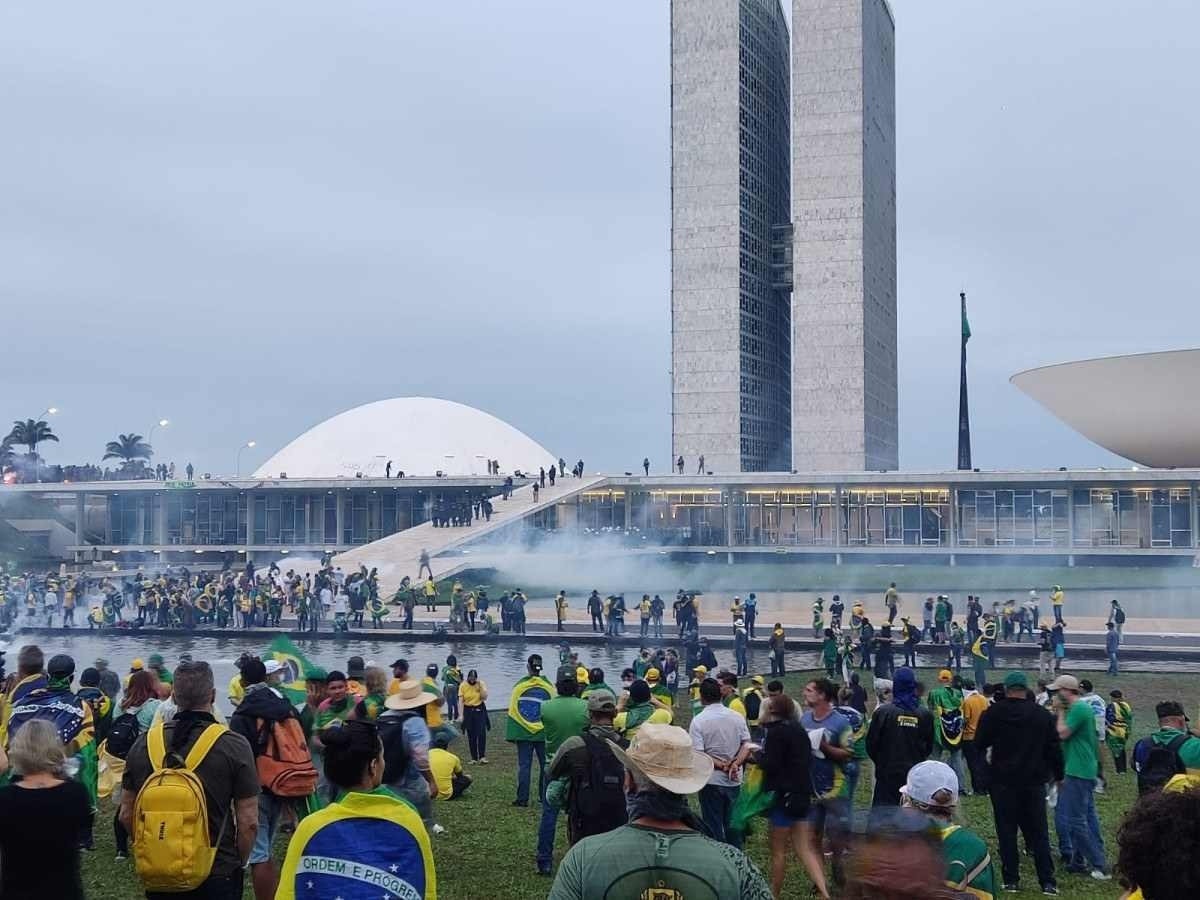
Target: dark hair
[
  {"x": 728, "y": 678},
  {"x": 254, "y": 671},
  {"x": 567, "y": 687},
  {"x": 825, "y": 688},
  {"x": 89, "y": 678},
  {"x": 349, "y": 747},
  {"x": 782, "y": 706},
  {"x": 596, "y": 676},
  {"x": 639, "y": 692},
  {"x": 775, "y": 687},
  {"x": 710, "y": 691},
  {"x": 30, "y": 660},
  {"x": 141, "y": 687},
  {"x": 627, "y": 673},
  {"x": 1159, "y": 841},
  {"x": 1085, "y": 685},
  {"x": 193, "y": 685},
  {"x": 335, "y": 675}
]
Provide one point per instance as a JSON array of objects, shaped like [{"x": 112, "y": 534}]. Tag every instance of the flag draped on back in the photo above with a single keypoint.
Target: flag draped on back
[
  {"x": 295, "y": 668},
  {"x": 525, "y": 708}
]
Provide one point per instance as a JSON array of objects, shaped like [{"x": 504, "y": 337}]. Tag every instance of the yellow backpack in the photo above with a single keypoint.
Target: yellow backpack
[{"x": 171, "y": 842}]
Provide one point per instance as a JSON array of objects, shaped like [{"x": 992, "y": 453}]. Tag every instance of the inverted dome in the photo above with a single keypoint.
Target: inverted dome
[
  {"x": 1144, "y": 407},
  {"x": 420, "y": 435}
]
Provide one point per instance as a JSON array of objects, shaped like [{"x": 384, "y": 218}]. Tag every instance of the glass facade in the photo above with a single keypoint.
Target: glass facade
[
  {"x": 131, "y": 519},
  {"x": 764, "y": 192},
  {"x": 1013, "y": 518},
  {"x": 1133, "y": 517},
  {"x": 784, "y": 516},
  {"x": 690, "y": 517},
  {"x": 876, "y": 517}
]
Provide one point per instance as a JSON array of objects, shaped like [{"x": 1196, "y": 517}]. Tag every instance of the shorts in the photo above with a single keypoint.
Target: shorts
[
  {"x": 270, "y": 808},
  {"x": 781, "y": 818}
]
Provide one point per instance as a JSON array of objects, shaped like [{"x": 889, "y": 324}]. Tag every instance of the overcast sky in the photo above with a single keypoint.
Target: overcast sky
[{"x": 249, "y": 217}]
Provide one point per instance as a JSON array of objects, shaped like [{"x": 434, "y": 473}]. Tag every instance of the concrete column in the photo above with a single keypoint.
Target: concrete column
[
  {"x": 80, "y": 503},
  {"x": 1070, "y": 517},
  {"x": 727, "y": 506},
  {"x": 953, "y": 561},
  {"x": 837, "y": 519},
  {"x": 1071, "y": 560},
  {"x": 160, "y": 519},
  {"x": 837, "y": 559},
  {"x": 953, "y": 520},
  {"x": 628, "y": 509},
  {"x": 339, "y": 497}
]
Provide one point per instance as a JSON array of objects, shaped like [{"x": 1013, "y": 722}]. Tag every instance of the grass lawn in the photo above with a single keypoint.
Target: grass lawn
[{"x": 488, "y": 848}]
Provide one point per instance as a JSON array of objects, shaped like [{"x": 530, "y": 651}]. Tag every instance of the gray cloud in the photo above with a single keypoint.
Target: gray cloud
[{"x": 249, "y": 217}]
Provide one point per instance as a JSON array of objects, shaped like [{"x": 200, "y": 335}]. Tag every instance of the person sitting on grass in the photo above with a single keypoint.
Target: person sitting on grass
[{"x": 447, "y": 769}]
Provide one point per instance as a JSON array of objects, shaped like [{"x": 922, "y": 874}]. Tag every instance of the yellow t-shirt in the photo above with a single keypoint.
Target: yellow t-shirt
[
  {"x": 237, "y": 690},
  {"x": 737, "y": 706},
  {"x": 658, "y": 717},
  {"x": 444, "y": 765},
  {"x": 471, "y": 694}
]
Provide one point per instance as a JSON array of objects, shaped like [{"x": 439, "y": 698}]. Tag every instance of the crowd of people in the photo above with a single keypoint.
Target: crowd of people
[{"x": 369, "y": 748}]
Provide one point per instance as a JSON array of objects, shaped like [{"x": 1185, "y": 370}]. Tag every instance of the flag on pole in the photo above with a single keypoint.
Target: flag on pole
[
  {"x": 964, "y": 414},
  {"x": 966, "y": 326},
  {"x": 295, "y": 668}
]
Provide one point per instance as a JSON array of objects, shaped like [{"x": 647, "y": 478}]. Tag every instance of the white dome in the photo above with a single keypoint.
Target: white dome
[{"x": 420, "y": 435}]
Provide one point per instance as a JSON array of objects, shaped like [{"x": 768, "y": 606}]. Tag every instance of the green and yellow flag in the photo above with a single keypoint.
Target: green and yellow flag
[
  {"x": 295, "y": 668},
  {"x": 525, "y": 708}
]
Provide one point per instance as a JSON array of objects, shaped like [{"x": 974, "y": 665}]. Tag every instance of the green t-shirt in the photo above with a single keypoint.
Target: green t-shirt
[
  {"x": 563, "y": 717},
  {"x": 1079, "y": 750},
  {"x": 964, "y": 852},
  {"x": 632, "y": 862}
]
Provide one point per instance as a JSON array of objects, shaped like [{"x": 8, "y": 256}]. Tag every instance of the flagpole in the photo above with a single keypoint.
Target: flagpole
[{"x": 964, "y": 414}]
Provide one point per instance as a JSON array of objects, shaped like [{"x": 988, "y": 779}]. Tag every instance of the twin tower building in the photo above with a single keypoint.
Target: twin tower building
[{"x": 783, "y": 235}]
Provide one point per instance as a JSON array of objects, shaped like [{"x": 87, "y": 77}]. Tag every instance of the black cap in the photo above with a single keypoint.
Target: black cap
[
  {"x": 535, "y": 663},
  {"x": 1163, "y": 710},
  {"x": 566, "y": 673},
  {"x": 60, "y": 666},
  {"x": 355, "y": 667},
  {"x": 89, "y": 678},
  {"x": 400, "y": 663}
]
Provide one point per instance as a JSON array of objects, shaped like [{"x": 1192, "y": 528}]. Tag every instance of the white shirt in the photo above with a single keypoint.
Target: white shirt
[
  {"x": 326, "y": 597},
  {"x": 719, "y": 732},
  {"x": 340, "y": 603},
  {"x": 50, "y": 599}
]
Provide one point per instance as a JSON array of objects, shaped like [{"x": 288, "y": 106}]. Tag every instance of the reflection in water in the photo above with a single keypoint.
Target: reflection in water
[{"x": 500, "y": 664}]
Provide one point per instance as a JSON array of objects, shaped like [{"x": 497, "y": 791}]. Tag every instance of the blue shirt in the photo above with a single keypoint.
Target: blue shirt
[
  {"x": 1111, "y": 641},
  {"x": 828, "y": 778}
]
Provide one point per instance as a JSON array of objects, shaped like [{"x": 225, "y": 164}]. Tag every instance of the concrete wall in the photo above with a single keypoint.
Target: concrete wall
[
  {"x": 844, "y": 249},
  {"x": 705, "y": 233}
]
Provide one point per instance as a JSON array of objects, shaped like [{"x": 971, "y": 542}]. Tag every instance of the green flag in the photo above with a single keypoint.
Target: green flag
[
  {"x": 966, "y": 326},
  {"x": 296, "y": 668}
]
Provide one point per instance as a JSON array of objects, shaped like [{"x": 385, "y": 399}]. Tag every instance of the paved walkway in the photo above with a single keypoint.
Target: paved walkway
[{"x": 399, "y": 554}]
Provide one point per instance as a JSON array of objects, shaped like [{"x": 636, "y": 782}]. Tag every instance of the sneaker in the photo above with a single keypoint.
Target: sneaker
[
  {"x": 438, "y": 829},
  {"x": 1049, "y": 890},
  {"x": 483, "y": 760},
  {"x": 519, "y": 803},
  {"x": 121, "y": 857},
  {"x": 1100, "y": 875},
  {"x": 1012, "y": 889}
]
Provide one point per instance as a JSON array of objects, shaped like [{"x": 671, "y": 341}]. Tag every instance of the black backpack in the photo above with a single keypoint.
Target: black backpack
[
  {"x": 753, "y": 703},
  {"x": 1156, "y": 763},
  {"x": 395, "y": 754},
  {"x": 598, "y": 791},
  {"x": 1119, "y": 616},
  {"x": 122, "y": 734}
]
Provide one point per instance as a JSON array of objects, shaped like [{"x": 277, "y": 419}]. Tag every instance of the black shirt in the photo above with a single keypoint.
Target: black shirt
[{"x": 40, "y": 830}]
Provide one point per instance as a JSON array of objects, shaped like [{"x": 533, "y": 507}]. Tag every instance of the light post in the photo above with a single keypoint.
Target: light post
[
  {"x": 161, "y": 423},
  {"x": 244, "y": 446},
  {"x": 37, "y": 466}
]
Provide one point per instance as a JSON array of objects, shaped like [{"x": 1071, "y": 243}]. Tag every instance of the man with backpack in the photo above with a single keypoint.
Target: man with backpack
[
  {"x": 271, "y": 725},
  {"x": 563, "y": 717},
  {"x": 194, "y": 823},
  {"x": 596, "y": 789},
  {"x": 1170, "y": 751}
]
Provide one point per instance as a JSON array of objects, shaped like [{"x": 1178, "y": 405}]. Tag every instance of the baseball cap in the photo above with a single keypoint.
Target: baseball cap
[
  {"x": 60, "y": 666},
  {"x": 945, "y": 676},
  {"x": 535, "y": 663},
  {"x": 1064, "y": 682},
  {"x": 101, "y": 663},
  {"x": 927, "y": 779},
  {"x": 757, "y": 679},
  {"x": 703, "y": 670},
  {"x": 399, "y": 663},
  {"x": 652, "y": 675},
  {"x": 253, "y": 671},
  {"x": 566, "y": 673},
  {"x": 601, "y": 701},
  {"x": 155, "y": 659},
  {"x": 316, "y": 673},
  {"x": 272, "y": 666},
  {"x": 137, "y": 665},
  {"x": 1016, "y": 680}
]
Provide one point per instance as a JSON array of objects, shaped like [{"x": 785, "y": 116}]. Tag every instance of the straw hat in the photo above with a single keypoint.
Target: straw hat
[
  {"x": 664, "y": 754},
  {"x": 409, "y": 695}
]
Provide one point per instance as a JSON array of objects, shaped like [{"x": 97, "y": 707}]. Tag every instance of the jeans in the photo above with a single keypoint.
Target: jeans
[
  {"x": 1058, "y": 613},
  {"x": 597, "y": 622},
  {"x": 910, "y": 656},
  {"x": 777, "y": 665},
  {"x": 450, "y": 692},
  {"x": 979, "y": 665},
  {"x": 1022, "y": 807},
  {"x": 954, "y": 658},
  {"x": 716, "y": 802},
  {"x": 546, "y": 829},
  {"x": 750, "y": 613},
  {"x": 1113, "y": 667},
  {"x": 525, "y": 754},
  {"x": 1079, "y": 836},
  {"x": 957, "y": 763},
  {"x": 657, "y": 622},
  {"x": 739, "y": 655}
]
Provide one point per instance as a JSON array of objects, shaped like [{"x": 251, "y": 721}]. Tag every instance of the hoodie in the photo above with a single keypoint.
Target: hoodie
[
  {"x": 1024, "y": 743},
  {"x": 261, "y": 703}
]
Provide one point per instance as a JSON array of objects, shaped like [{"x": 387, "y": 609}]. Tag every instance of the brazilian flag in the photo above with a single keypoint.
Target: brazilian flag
[
  {"x": 525, "y": 709},
  {"x": 295, "y": 668}
]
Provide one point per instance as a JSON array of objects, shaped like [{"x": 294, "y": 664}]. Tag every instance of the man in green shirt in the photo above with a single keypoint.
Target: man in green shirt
[
  {"x": 932, "y": 788},
  {"x": 1075, "y": 816},
  {"x": 563, "y": 717},
  {"x": 156, "y": 665},
  {"x": 658, "y": 854}
]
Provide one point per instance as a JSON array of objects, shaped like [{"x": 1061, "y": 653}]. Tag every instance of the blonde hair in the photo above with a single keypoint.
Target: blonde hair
[
  {"x": 36, "y": 749},
  {"x": 376, "y": 680}
]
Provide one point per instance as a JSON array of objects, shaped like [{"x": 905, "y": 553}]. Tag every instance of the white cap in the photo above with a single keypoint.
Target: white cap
[
  {"x": 927, "y": 779},
  {"x": 272, "y": 666}
]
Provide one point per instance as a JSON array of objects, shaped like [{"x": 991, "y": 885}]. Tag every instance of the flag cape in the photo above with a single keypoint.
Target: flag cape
[
  {"x": 525, "y": 708},
  {"x": 364, "y": 847},
  {"x": 295, "y": 668},
  {"x": 752, "y": 800}
]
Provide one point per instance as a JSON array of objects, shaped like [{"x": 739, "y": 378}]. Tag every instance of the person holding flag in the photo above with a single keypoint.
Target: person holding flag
[
  {"x": 945, "y": 702},
  {"x": 525, "y": 728},
  {"x": 981, "y": 650},
  {"x": 390, "y": 850}
]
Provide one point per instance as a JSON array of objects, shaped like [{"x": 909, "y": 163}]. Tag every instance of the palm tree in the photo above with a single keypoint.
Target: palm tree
[
  {"x": 30, "y": 433},
  {"x": 6, "y": 454},
  {"x": 128, "y": 447}
]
